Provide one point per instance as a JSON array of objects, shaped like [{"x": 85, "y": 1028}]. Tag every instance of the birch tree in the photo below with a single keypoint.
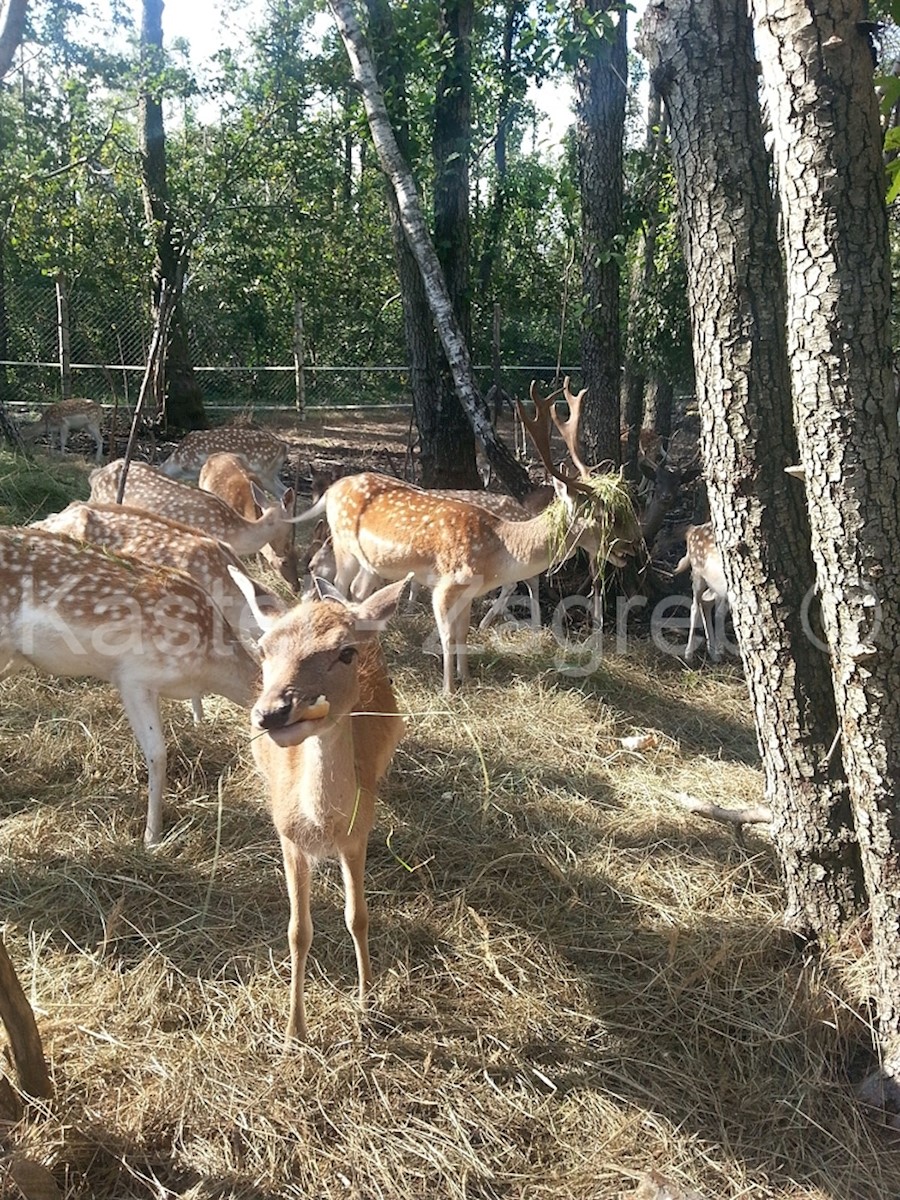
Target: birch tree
[{"x": 397, "y": 171}]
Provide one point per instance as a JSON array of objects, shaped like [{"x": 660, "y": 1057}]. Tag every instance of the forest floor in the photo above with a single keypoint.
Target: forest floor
[{"x": 582, "y": 990}]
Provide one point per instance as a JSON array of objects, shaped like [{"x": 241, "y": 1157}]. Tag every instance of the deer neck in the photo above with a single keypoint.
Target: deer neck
[{"x": 531, "y": 543}]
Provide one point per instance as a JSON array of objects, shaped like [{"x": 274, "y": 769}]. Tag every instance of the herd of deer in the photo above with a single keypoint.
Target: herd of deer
[{"x": 152, "y": 596}]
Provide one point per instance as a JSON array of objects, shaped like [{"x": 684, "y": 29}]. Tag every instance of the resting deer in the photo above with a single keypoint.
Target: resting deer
[
  {"x": 263, "y": 453},
  {"x": 70, "y": 609},
  {"x": 389, "y": 530},
  {"x": 65, "y": 417},
  {"x": 710, "y": 592},
  {"x": 229, "y": 477},
  {"x": 325, "y": 728},
  {"x": 146, "y": 488}
]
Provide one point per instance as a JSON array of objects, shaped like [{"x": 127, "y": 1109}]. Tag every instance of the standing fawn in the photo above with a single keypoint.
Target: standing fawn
[
  {"x": 263, "y": 453},
  {"x": 65, "y": 417},
  {"x": 708, "y": 586},
  {"x": 229, "y": 477},
  {"x": 326, "y": 726},
  {"x": 148, "y": 489},
  {"x": 70, "y": 609}
]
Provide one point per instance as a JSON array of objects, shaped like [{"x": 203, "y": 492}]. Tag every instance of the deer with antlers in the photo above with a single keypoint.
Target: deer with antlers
[
  {"x": 67, "y": 608},
  {"x": 384, "y": 529},
  {"x": 325, "y": 728}
]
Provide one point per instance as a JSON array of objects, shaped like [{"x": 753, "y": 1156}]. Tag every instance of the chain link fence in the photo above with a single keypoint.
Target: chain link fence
[{"x": 109, "y": 337}]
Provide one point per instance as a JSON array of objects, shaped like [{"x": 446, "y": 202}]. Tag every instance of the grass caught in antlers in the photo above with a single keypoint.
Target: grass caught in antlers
[
  {"x": 609, "y": 506},
  {"x": 577, "y": 982}
]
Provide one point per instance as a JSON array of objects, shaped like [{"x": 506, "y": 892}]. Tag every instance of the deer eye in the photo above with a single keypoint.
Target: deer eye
[{"x": 348, "y": 654}]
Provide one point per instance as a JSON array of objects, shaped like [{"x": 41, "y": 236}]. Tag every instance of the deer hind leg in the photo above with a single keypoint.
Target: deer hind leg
[
  {"x": 300, "y": 932},
  {"x": 95, "y": 433},
  {"x": 356, "y": 912},
  {"x": 142, "y": 709},
  {"x": 63, "y": 436}
]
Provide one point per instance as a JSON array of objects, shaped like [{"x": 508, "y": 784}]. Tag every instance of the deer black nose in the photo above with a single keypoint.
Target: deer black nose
[{"x": 273, "y": 716}]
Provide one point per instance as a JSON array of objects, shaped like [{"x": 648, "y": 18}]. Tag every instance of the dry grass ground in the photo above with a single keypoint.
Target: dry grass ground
[{"x": 578, "y": 983}]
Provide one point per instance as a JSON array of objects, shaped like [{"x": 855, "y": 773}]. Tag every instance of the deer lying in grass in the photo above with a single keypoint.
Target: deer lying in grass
[
  {"x": 708, "y": 586},
  {"x": 390, "y": 530},
  {"x": 70, "y": 609},
  {"x": 326, "y": 726},
  {"x": 65, "y": 417},
  {"x": 229, "y": 477},
  {"x": 264, "y": 454},
  {"x": 146, "y": 488}
]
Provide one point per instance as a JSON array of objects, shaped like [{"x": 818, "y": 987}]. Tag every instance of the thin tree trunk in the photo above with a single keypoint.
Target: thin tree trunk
[
  {"x": 702, "y": 61},
  {"x": 514, "y": 477},
  {"x": 185, "y": 400},
  {"x": 817, "y": 71}
]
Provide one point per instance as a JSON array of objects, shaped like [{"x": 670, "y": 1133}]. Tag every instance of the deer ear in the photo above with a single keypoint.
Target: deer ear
[
  {"x": 373, "y": 614},
  {"x": 260, "y": 499},
  {"x": 647, "y": 468},
  {"x": 257, "y": 598}
]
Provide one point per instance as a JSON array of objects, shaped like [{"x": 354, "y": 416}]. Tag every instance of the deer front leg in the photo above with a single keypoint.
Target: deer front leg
[
  {"x": 142, "y": 709},
  {"x": 356, "y": 912},
  {"x": 300, "y": 931},
  {"x": 693, "y": 632},
  {"x": 441, "y": 603}
]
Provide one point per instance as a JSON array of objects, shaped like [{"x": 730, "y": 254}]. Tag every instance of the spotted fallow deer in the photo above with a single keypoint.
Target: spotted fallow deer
[
  {"x": 156, "y": 539},
  {"x": 325, "y": 728},
  {"x": 65, "y": 417},
  {"x": 264, "y": 454},
  {"x": 229, "y": 477},
  {"x": 322, "y": 565},
  {"x": 146, "y": 488},
  {"x": 71, "y": 609},
  {"x": 708, "y": 586},
  {"x": 461, "y": 551}
]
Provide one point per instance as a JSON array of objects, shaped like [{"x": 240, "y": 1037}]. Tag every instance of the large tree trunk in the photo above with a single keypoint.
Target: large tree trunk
[
  {"x": 454, "y": 445},
  {"x": 817, "y": 71},
  {"x": 395, "y": 167},
  {"x": 185, "y": 400},
  {"x": 702, "y": 61},
  {"x": 600, "y": 87}
]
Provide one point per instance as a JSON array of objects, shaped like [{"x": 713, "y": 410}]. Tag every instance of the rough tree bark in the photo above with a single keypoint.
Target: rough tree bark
[
  {"x": 393, "y": 164},
  {"x": 185, "y": 400},
  {"x": 600, "y": 86},
  {"x": 701, "y": 60},
  {"x": 817, "y": 71},
  {"x": 454, "y": 448}
]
